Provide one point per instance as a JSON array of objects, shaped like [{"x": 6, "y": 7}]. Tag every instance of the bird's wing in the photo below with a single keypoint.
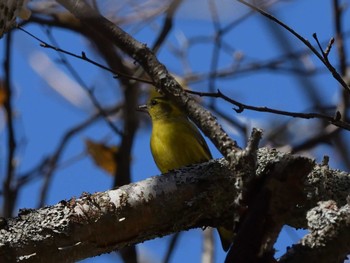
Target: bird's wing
[{"x": 201, "y": 140}]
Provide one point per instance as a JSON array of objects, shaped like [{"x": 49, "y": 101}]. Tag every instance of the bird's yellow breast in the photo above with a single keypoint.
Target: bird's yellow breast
[{"x": 176, "y": 143}]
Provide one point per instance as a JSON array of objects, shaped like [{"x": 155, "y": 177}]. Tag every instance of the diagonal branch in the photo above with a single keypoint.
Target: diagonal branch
[
  {"x": 167, "y": 25},
  {"x": 157, "y": 71}
]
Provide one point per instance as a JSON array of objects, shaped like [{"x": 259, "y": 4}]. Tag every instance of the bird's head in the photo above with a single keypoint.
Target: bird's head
[{"x": 161, "y": 108}]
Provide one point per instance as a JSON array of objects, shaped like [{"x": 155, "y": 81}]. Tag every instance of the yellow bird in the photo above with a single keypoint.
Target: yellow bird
[{"x": 176, "y": 142}]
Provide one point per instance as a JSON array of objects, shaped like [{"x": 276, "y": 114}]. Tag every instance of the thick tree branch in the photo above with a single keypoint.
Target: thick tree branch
[
  {"x": 328, "y": 241},
  {"x": 271, "y": 199},
  {"x": 102, "y": 222},
  {"x": 197, "y": 196}
]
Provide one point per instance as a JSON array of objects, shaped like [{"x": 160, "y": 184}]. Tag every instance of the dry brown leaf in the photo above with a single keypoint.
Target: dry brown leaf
[{"x": 104, "y": 156}]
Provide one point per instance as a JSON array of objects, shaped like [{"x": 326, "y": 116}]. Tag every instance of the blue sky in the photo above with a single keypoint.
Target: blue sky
[{"x": 43, "y": 114}]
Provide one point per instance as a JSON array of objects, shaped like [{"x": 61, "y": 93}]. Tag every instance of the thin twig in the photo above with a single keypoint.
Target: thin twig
[
  {"x": 167, "y": 25},
  {"x": 325, "y": 136},
  {"x": 52, "y": 161},
  {"x": 81, "y": 82},
  {"x": 10, "y": 194},
  {"x": 275, "y": 64},
  {"x": 214, "y": 64},
  {"x": 241, "y": 107},
  {"x": 171, "y": 248},
  {"x": 241, "y": 127},
  {"x": 163, "y": 81},
  {"x": 84, "y": 57},
  {"x": 42, "y": 167},
  {"x": 334, "y": 72}
]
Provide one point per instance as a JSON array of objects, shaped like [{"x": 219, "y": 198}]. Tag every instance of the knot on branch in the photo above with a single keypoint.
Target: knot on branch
[
  {"x": 268, "y": 196},
  {"x": 243, "y": 163}
]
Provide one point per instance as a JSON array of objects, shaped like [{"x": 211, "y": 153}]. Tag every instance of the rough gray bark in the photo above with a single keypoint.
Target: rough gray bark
[
  {"x": 328, "y": 240},
  {"x": 195, "y": 196},
  {"x": 102, "y": 222}
]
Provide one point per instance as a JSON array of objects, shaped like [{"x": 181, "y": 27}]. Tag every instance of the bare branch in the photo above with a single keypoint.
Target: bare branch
[
  {"x": 103, "y": 222},
  {"x": 167, "y": 25},
  {"x": 171, "y": 248},
  {"x": 159, "y": 74},
  {"x": 50, "y": 163},
  {"x": 331, "y": 69},
  {"x": 84, "y": 57},
  {"x": 10, "y": 194},
  {"x": 336, "y": 120},
  {"x": 110, "y": 220}
]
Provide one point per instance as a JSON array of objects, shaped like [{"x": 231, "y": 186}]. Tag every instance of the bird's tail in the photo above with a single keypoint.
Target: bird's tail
[{"x": 226, "y": 237}]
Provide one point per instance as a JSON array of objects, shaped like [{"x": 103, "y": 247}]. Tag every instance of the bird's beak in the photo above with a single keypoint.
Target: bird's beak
[{"x": 142, "y": 108}]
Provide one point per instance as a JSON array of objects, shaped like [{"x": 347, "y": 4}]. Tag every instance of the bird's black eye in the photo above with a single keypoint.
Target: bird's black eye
[{"x": 154, "y": 102}]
